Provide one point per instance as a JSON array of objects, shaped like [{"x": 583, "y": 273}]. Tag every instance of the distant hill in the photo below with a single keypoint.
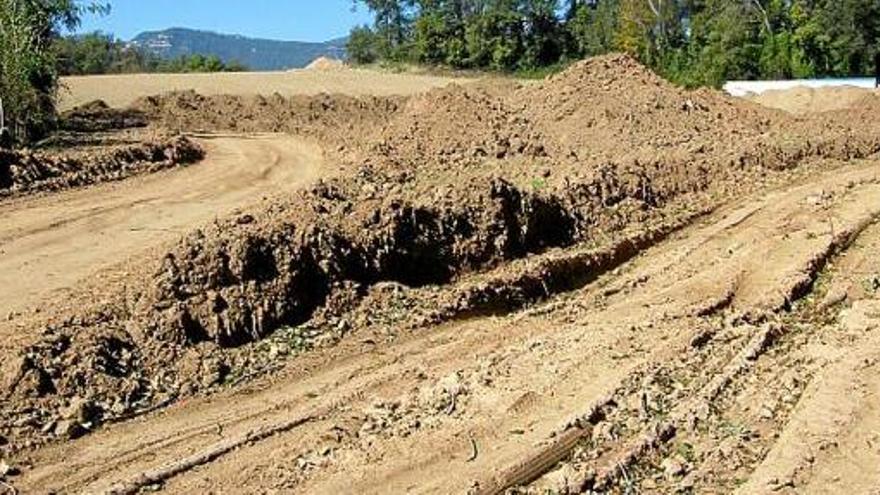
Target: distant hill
[{"x": 256, "y": 54}]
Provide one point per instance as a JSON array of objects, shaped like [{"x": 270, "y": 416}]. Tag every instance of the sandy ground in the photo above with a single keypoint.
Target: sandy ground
[
  {"x": 479, "y": 406},
  {"x": 50, "y": 242},
  {"x": 811, "y": 100},
  {"x": 122, "y": 90}
]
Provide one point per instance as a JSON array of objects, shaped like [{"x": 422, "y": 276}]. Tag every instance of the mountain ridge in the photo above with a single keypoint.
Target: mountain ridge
[{"x": 255, "y": 53}]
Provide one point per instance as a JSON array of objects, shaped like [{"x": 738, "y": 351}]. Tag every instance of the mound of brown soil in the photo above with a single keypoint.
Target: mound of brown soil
[
  {"x": 326, "y": 63},
  {"x": 612, "y": 106},
  {"x": 98, "y": 116},
  {"x": 457, "y": 125},
  {"x": 25, "y": 171},
  {"x": 333, "y": 119}
]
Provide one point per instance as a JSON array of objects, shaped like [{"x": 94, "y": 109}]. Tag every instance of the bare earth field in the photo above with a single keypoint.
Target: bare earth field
[
  {"x": 813, "y": 100},
  {"x": 122, "y": 90},
  {"x": 599, "y": 283}
]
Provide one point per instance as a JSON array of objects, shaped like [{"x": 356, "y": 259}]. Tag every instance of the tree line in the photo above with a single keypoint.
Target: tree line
[
  {"x": 98, "y": 53},
  {"x": 692, "y": 42}
]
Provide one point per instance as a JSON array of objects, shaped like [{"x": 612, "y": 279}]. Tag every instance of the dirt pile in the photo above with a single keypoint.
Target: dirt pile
[
  {"x": 460, "y": 126},
  {"x": 242, "y": 279},
  {"x": 606, "y": 110},
  {"x": 29, "y": 171},
  {"x": 333, "y": 119},
  {"x": 612, "y": 109},
  {"x": 612, "y": 106},
  {"x": 97, "y": 116},
  {"x": 326, "y": 64}
]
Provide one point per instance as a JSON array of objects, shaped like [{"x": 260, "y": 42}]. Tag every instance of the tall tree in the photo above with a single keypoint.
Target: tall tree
[
  {"x": 543, "y": 33},
  {"x": 392, "y": 25},
  {"x": 594, "y": 27},
  {"x": 28, "y": 75},
  {"x": 494, "y": 35}
]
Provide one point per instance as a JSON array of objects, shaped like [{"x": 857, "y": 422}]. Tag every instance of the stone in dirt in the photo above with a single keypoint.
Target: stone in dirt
[
  {"x": 7, "y": 469},
  {"x": 673, "y": 467}
]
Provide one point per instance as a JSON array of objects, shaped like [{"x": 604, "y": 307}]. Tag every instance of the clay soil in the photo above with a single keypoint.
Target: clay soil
[{"x": 595, "y": 283}]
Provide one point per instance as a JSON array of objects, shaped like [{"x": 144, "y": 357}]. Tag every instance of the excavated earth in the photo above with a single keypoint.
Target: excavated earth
[
  {"x": 91, "y": 162},
  {"x": 596, "y": 283}
]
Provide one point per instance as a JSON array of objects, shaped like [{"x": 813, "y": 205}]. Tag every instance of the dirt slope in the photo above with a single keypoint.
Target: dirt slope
[{"x": 50, "y": 242}]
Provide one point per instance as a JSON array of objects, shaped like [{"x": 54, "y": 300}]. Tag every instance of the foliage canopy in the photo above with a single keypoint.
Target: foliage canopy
[{"x": 693, "y": 42}]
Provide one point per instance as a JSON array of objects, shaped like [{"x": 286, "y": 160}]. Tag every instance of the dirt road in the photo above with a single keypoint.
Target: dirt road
[
  {"x": 564, "y": 396},
  {"x": 47, "y": 243}
]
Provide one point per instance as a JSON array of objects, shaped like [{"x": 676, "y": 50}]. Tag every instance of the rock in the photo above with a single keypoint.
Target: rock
[
  {"x": 82, "y": 411},
  {"x": 35, "y": 382},
  {"x": 562, "y": 480},
  {"x": 343, "y": 325},
  {"x": 687, "y": 484},
  {"x": 70, "y": 430},
  {"x": 7, "y": 469},
  {"x": 48, "y": 428},
  {"x": 603, "y": 432},
  {"x": 833, "y": 298},
  {"x": 673, "y": 467}
]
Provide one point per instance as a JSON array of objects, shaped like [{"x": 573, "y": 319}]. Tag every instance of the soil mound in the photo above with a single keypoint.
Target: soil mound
[
  {"x": 26, "y": 171},
  {"x": 326, "y": 63},
  {"x": 457, "y": 125},
  {"x": 98, "y": 116},
  {"x": 335, "y": 119},
  {"x": 612, "y": 105}
]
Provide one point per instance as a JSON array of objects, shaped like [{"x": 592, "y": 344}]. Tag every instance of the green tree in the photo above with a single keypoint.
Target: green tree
[
  {"x": 92, "y": 53},
  {"x": 693, "y": 42},
  {"x": 362, "y": 45},
  {"x": 392, "y": 26},
  {"x": 494, "y": 36},
  {"x": 28, "y": 75},
  {"x": 593, "y": 28},
  {"x": 430, "y": 35},
  {"x": 543, "y": 36}
]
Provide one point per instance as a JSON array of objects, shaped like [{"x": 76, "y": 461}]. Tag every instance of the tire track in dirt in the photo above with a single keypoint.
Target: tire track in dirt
[
  {"x": 505, "y": 385},
  {"x": 830, "y": 439},
  {"x": 50, "y": 242}
]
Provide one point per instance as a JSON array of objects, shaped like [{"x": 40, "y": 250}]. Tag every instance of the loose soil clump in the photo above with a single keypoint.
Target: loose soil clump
[
  {"x": 30, "y": 171},
  {"x": 97, "y": 116}
]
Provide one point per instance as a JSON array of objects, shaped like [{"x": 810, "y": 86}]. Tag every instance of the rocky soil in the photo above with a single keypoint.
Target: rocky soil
[{"x": 95, "y": 144}]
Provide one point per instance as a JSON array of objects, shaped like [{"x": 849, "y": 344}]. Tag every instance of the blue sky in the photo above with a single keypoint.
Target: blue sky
[{"x": 294, "y": 20}]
